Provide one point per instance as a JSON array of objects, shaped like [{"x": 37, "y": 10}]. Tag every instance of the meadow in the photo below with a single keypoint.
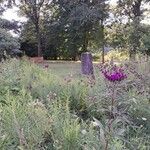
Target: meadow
[{"x": 52, "y": 106}]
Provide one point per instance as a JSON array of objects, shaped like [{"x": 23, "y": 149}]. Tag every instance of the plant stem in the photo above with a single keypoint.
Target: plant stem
[{"x": 111, "y": 115}]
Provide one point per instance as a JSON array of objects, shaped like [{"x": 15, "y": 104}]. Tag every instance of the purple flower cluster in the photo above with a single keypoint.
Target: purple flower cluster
[{"x": 114, "y": 74}]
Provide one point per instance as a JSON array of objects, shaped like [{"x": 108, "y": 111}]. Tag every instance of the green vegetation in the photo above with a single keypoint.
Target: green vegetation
[
  {"x": 40, "y": 109},
  {"x": 64, "y": 29},
  {"x": 51, "y": 105}
]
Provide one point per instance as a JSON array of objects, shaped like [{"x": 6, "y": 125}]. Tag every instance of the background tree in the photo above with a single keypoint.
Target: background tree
[
  {"x": 28, "y": 39},
  {"x": 7, "y": 41},
  {"x": 134, "y": 12},
  {"x": 65, "y": 29},
  {"x": 81, "y": 20},
  {"x": 146, "y": 40},
  {"x": 33, "y": 9},
  {"x": 70, "y": 28}
]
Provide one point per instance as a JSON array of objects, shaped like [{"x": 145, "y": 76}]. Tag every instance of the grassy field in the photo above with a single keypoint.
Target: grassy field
[
  {"x": 63, "y": 68},
  {"x": 51, "y": 106}
]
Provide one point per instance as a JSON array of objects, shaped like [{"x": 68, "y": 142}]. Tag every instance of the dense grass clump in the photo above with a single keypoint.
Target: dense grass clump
[{"x": 45, "y": 108}]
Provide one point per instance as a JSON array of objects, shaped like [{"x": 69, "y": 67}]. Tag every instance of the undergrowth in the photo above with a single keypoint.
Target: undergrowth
[{"x": 40, "y": 110}]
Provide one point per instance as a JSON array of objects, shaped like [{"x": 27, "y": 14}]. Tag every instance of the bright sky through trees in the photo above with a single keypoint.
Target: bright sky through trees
[{"x": 11, "y": 14}]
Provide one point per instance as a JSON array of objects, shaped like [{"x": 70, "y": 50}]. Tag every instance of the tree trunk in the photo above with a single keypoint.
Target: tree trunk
[
  {"x": 85, "y": 43},
  {"x": 103, "y": 44},
  {"x": 135, "y": 39},
  {"x": 39, "y": 47},
  {"x": 103, "y": 38},
  {"x": 135, "y": 35},
  {"x": 38, "y": 40},
  {"x": 55, "y": 56}
]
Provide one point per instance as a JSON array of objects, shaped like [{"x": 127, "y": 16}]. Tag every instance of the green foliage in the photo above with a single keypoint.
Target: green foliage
[
  {"x": 41, "y": 110},
  {"x": 76, "y": 92},
  {"x": 67, "y": 28},
  {"x": 66, "y": 128},
  {"x": 23, "y": 120},
  {"x": 7, "y": 43},
  {"x": 29, "y": 123},
  {"x": 23, "y": 74},
  {"x": 145, "y": 40},
  {"x": 118, "y": 55},
  {"x": 117, "y": 35},
  {"x": 133, "y": 11}
]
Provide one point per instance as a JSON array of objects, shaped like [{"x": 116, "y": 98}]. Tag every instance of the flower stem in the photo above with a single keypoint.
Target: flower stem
[{"x": 111, "y": 115}]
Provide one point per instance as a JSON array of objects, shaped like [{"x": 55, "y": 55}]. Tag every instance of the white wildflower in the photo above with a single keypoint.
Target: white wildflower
[
  {"x": 144, "y": 118},
  {"x": 95, "y": 124},
  {"x": 84, "y": 131}
]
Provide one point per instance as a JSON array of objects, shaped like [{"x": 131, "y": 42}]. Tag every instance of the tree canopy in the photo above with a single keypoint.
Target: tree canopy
[
  {"x": 60, "y": 29},
  {"x": 7, "y": 41}
]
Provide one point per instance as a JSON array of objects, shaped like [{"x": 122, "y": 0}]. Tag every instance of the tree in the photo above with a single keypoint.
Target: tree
[
  {"x": 28, "y": 39},
  {"x": 7, "y": 41},
  {"x": 4, "y": 4},
  {"x": 34, "y": 9},
  {"x": 80, "y": 19},
  {"x": 64, "y": 28},
  {"x": 9, "y": 25},
  {"x": 70, "y": 28},
  {"x": 134, "y": 12},
  {"x": 146, "y": 40},
  {"x": 117, "y": 35}
]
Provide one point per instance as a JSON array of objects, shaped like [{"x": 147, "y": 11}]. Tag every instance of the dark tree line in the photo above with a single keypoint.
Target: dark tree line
[
  {"x": 64, "y": 29},
  {"x": 67, "y": 28}
]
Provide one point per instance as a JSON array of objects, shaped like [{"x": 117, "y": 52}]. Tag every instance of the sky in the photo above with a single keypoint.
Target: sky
[{"x": 12, "y": 14}]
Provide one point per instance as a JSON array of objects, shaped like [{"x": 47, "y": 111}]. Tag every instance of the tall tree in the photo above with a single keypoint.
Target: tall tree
[
  {"x": 146, "y": 40},
  {"x": 81, "y": 18},
  {"x": 7, "y": 41},
  {"x": 34, "y": 9},
  {"x": 134, "y": 11}
]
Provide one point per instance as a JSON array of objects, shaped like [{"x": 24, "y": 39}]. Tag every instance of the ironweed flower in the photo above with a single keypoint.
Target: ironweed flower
[{"x": 114, "y": 73}]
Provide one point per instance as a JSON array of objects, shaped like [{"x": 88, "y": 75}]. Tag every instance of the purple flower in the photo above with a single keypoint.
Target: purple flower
[{"x": 114, "y": 74}]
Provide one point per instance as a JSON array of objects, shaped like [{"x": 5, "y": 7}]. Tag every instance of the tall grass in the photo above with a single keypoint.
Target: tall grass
[{"x": 43, "y": 110}]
